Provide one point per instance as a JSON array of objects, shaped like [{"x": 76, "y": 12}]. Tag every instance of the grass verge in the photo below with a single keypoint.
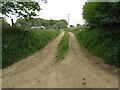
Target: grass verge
[
  {"x": 63, "y": 47},
  {"x": 18, "y": 43},
  {"x": 101, "y": 43}
]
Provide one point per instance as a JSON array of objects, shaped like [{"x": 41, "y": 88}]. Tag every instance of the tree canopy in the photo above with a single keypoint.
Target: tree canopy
[
  {"x": 56, "y": 24},
  {"x": 101, "y": 13},
  {"x": 71, "y": 25},
  {"x": 20, "y": 9},
  {"x": 26, "y": 10},
  {"x": 78, "y": 25}
]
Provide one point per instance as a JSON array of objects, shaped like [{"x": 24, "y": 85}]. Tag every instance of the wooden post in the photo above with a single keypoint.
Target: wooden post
[{"x": 13, "y": 25}]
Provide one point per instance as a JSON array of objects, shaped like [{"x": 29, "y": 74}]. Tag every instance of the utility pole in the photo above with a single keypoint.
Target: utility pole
[{"x": 68, "y": 19}]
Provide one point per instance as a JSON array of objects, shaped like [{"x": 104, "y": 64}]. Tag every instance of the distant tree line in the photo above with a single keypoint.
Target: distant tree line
[
  {"x": 51, "y": 24},
  {"x": 26, "y": 12}
]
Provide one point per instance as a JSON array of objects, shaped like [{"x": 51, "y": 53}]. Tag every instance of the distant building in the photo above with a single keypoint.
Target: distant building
[{"x": 41, "y": 27}]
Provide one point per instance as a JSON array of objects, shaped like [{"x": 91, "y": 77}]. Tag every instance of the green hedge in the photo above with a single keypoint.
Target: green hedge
[
  {"x": 18, "y": 43},
  {"x": 96, "y": 42}
]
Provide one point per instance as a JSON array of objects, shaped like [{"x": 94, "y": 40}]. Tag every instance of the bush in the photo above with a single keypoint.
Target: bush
[
  {"x": 102, "y": 13},
  {"x": 18, "y": 43},
  {"x": 98, "y": 44}
]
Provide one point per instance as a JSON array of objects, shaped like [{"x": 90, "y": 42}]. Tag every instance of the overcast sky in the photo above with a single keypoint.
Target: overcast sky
[{"x": 58, "y": 9}]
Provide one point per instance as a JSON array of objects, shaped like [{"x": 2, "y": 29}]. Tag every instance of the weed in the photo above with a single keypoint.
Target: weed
[
  {"x": 63, "y": 47},
  {"x": 100, "y": 43},
  {"x": 19, "y": 43}
]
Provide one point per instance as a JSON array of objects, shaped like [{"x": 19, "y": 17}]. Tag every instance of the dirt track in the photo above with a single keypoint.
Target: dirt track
[{"x": 79, "y": 69}]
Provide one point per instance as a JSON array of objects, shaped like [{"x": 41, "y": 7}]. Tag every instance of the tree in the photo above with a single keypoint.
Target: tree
[
  {"x": 26, "y": 24},
  {"x": 3, "y": 22},
  {"x": 25, "y": 10},
  {"x": 30, "y": 23},
  {"x": 51, "y": 22},
  {"x": 71, "y": 25},
  {"x": 44, "y": 22},
  {"x": 22, "y": 22},
  {"x": 35, "y": 22},
  {"x": 102, "y": 13},
  {"x": 64, "y": 21},
  {"x": 78, "y": 25},
  {"x": 62, "y": 24}
]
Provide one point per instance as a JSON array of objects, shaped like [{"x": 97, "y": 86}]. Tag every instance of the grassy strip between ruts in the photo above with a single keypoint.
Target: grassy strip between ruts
[
  {"x": 19, "y": 43},
  {"x": 63, "y": 47}
]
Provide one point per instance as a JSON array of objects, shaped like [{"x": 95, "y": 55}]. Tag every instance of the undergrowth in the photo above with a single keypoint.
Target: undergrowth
[
  {"x": 18, "y": 43},
  {"x": 101, "y": 42}
]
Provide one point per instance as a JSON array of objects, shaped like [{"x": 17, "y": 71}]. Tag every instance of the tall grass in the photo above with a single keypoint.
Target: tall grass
[
  {"x": 100, "y": 43},
  {"x": 18, "y": 43},
  {"x": 63, "y": 47}
]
